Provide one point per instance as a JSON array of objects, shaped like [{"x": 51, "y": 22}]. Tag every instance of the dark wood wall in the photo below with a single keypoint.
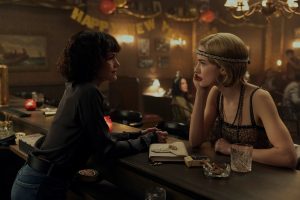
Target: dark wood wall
[
  {"x": 180, "y": 58},
  {"x": 56, "y": 25}
]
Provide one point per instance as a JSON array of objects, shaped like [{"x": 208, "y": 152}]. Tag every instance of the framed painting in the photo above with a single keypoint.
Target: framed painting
[
  {"x": 162, "y": 45},
  {"x": 163, "y": 61},
  {"x": 23, "y": 53},
  {"x": 145, "y": 62},
  {"x": 144, "y": 47}
]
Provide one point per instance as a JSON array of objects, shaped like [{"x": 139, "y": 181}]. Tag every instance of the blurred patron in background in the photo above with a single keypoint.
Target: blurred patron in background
[
  {"x": 291, "y": 97},
  {"x": 293, "y": 64},
  {"x": 274, "y": 83},
  {"x": 181, "y": 100}
]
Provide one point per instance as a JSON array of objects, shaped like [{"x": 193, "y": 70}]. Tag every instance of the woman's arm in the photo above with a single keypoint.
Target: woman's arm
[
  {"x": 203, "y": 115},
  {"x": 90, "y": 115},
  {"x": 283, "y": 152}
]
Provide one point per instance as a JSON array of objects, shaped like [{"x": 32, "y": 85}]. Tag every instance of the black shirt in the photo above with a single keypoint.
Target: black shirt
[{"x": 79, "y": 130}]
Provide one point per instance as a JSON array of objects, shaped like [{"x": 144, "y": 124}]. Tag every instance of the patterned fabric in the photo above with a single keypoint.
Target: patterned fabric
[
  {"x": 233, "y": 60},
  {"x": 247, "y": 134}
]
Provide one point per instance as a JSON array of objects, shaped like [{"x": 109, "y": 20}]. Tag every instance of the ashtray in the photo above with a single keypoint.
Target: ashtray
[{"x": 216, "y": 170}]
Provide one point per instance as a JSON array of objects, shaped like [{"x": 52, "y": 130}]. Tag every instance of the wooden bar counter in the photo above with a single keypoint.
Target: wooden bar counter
[{"x": 135, "y": 173}]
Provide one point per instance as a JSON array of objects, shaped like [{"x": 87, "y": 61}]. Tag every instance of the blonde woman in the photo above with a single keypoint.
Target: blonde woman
[{"x": 242, "y": 112}]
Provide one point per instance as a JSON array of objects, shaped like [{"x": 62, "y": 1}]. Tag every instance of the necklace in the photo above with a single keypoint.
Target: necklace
[{"x": 239, "y": 111}]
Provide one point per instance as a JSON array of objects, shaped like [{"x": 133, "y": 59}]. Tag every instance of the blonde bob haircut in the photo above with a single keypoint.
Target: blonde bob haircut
[{"x": 230, "y": 47}]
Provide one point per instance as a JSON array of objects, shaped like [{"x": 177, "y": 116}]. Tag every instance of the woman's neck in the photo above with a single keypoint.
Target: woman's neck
[
  {"x": 97, "y": 83},
  {"x": 231, "y": 93}
]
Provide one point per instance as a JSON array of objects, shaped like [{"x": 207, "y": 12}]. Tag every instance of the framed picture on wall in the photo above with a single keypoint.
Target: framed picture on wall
[
  {"x": 163, "y": 61},
  {"x": 23, "y": 53},
  {"x": 143, "y": 47},
  {"x": 162, "y": 45},
  {"x": 145, "y": 62}
]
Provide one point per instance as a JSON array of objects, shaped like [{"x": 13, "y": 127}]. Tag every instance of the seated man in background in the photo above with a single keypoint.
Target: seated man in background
[
  {"x": 291, "y": 97},
  {"x": 181, "y": 101},
  {"x": 293, "y": 64}
]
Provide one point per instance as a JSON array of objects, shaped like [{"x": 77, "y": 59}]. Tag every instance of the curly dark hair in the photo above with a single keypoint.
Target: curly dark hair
[{"x": 84, "y": 54}]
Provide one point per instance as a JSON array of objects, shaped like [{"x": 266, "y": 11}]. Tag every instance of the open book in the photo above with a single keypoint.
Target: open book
[{"x": 172, "y": 152}]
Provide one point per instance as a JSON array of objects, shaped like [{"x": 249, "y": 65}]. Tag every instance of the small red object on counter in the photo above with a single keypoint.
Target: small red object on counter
[
  {"x": 30, "y": 104},
  {"x": 108, "y": 122}
]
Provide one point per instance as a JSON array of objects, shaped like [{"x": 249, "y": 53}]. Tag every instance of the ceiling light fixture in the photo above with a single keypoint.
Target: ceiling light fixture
[{"x": 241, "y": 9}]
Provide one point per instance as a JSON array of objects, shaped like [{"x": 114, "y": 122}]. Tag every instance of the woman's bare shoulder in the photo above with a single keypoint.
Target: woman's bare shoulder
[
  {"x": 262, "y": 99},
  {"x": 259, "y": 93}
]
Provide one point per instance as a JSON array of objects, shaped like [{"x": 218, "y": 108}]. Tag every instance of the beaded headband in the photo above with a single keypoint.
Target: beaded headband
[{"x": 233, "y": 60}]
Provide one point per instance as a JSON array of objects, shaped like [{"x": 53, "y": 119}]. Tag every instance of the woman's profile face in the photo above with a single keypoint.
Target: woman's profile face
[
  {"x": 205, "y": 71},
  {"x": 183, "y": 85},
  {"x": 108, "y": 72}
]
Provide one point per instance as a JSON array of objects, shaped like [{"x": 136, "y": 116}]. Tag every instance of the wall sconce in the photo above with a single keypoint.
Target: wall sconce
[
  {"x": 127, "y": 39},
  {"x": 296, "y": 44},
  {"x": 177, "y": 42},
  {"x": 279, "y": 63}
]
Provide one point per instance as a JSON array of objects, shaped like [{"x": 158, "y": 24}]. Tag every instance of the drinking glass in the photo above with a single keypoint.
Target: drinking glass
[
  {"x": 6, "y": 129},
  {"x": 40, "y": 100},
  {"x": 241, "y": 157}
]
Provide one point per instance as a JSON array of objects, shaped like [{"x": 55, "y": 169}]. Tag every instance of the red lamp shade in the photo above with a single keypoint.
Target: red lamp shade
[
  {"x": 207, "y": 16},
  {"x": 30, "y": 104},
  {"x": 107, "y": 7},
  {"x": 108, "y": 122}
]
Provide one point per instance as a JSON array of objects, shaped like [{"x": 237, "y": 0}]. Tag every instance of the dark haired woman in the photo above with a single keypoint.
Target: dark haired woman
[
  {"x": 181, "y": 101},
  {"x": 78, "y": 129}
]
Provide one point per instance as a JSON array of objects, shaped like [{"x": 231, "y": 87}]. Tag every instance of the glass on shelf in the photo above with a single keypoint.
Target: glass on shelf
[
  {"x": 40, "y": 100},
  {"x": 6, "y": 129}
]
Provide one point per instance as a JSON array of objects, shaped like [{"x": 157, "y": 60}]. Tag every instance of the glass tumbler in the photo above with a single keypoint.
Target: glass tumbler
[{"x": 241, "y": 157}]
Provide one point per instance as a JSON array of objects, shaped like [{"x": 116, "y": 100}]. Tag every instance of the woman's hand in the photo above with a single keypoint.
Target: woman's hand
[
  {"x": 161, "y": 136},
  {"x": 222, "y": 146},
  {"x": 149, "y": 130}
]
